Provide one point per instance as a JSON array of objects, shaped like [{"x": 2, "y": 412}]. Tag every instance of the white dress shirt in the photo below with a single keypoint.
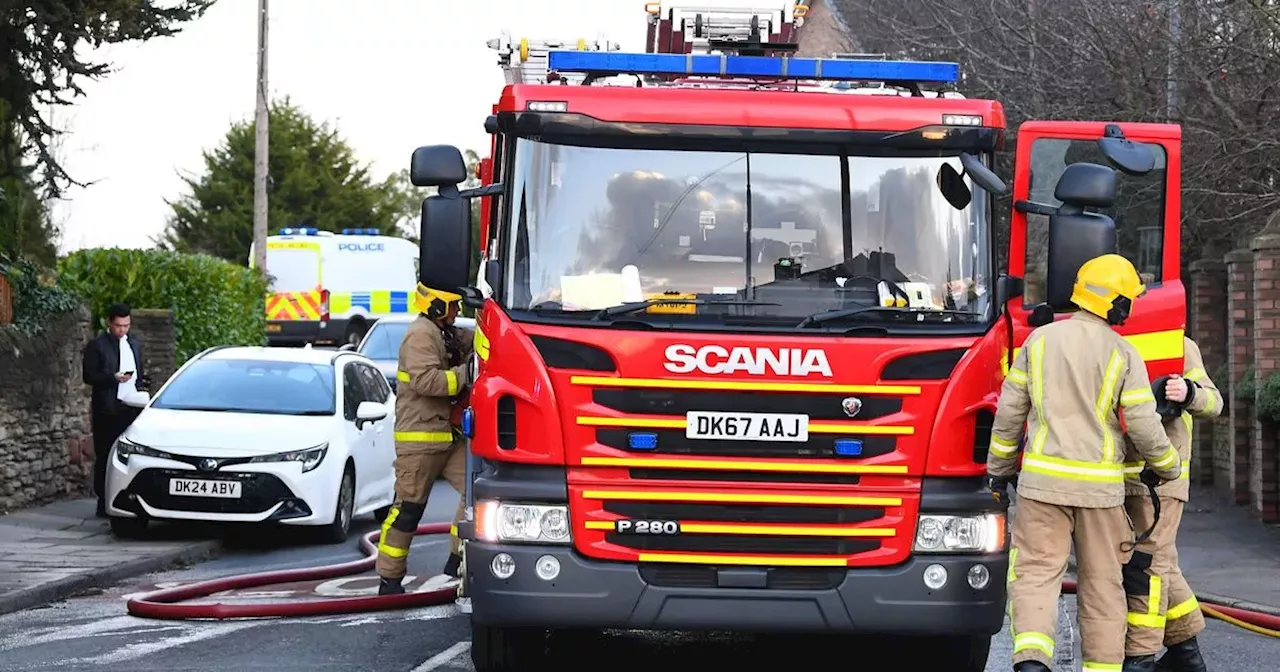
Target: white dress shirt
[{"x": 127, "y": 364}]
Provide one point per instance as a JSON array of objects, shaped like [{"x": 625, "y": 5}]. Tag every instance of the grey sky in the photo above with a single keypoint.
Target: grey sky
[{"x": 391, "y": 74}]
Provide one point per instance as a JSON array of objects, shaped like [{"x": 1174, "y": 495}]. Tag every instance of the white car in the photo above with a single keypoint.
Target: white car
[{"x": 294, "y": 436}]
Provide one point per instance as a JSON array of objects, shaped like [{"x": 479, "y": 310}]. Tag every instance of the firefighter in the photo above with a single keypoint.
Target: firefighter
[
  {"x": 433, "y": 369},
  {"x": 1162, "y": 608},
  {"x": 1066, "y": 385}
]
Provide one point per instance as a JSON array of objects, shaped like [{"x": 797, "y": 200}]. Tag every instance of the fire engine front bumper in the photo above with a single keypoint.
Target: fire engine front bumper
[{"x": 611, "y": 595}]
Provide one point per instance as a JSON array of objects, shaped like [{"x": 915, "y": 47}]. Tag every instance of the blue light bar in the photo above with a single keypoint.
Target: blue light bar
[
  {"x": 359, "y": 232},
  {"x": 719, "y": 65},
  {"x": 294, "y": 231},
  {"x": 848, "y": 447},
  {"x": 642, "y": 441}
]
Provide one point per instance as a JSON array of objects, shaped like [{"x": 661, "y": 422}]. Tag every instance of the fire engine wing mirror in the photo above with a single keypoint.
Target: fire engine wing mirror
[
  {"x": 444, "y": 247},
  {"x": 1126, "y": 155},
  {"x": 953, "y": 187},
  {"x": 438, "y": 166},
  {"x": 982, "y": 175}
]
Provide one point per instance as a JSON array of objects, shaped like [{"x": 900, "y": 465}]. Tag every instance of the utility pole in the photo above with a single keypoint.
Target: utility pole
[
  {"x": 1173, "y": 92},
  {"x": 260, "y": 149}
]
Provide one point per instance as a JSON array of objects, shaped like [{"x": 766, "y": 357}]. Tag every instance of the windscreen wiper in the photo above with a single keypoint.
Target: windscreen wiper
[
  {"x": 829, "y": 315},
  {"x": 637, "y": 306}
]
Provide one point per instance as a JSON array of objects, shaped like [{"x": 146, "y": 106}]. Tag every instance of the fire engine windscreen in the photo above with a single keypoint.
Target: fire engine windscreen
[{"x": 595, "y": 227}]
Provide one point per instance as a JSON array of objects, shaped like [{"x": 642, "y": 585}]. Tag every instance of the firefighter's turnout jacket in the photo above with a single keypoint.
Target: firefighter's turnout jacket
[
  {"x": 1206, "y": 403},
  {"x": 1066, "y": 384},
  {"x": 432, "y": 371}
]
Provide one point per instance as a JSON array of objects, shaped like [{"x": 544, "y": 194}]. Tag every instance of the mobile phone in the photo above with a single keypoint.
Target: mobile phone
[{"x": 126, "y": 373}]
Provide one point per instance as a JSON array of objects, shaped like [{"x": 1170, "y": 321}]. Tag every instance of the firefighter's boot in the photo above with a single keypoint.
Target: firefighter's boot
[
  {"x": 1031, "y": 666},
  {"x": 390, "y": 586},
  {"x": 1140, "y": 664},
  {"x": 1182, "y": 657}
]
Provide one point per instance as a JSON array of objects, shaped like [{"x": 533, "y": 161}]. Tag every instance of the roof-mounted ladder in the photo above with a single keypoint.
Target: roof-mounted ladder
[
  {"x": 525, "y": 61},
  {"x": 747, "y": 31}
]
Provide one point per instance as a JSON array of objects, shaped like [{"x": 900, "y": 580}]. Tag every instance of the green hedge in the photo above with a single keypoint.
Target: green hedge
[
  {"x": 214, "y": 302},
  {"x": 37, "y": 298}
]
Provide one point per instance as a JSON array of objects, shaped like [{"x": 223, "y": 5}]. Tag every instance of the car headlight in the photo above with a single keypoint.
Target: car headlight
[
  {"x": 983, "y": 533},
  {"x": 512, "y": 522},
  {"x": 126, "y": 448},
  {"x": 309, "y": 457}
]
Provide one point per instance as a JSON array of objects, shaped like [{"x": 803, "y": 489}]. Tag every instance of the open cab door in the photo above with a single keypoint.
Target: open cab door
[{"x": 1049, "y": 239}]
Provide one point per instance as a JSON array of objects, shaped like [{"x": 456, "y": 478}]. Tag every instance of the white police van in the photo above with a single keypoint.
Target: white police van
[{"x": 329, "y": 288}]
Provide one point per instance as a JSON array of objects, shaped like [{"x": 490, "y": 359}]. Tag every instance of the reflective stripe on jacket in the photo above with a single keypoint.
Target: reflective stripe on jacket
[
  {"x": 1066, "y": 386},
  {"x": 1207, "y": 403},
  {"x": 425, "y": 386}
]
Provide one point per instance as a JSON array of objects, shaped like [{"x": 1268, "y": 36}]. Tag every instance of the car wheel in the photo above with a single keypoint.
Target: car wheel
[
  {"x": 128, "y": 528},
  {"x": 380, "y": 514},
  {"x": 497, "y": 649},
  {"x": 337, "y": 531}
]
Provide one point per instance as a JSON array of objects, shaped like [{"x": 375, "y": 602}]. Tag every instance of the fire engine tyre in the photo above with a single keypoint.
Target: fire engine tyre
[
  {"x": 965, "y": 654},
  {"x": 502, "y": 649}
]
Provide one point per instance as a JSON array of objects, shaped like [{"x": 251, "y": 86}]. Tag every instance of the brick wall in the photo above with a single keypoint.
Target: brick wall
[
  {"x": 1263, "y": 459},
  {"x": 1207, "y": 326},
  {"x": 1239, "y": 453}
]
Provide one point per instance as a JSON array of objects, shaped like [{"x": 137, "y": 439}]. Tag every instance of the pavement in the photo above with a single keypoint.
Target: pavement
[{"x": 60, "y": 550}]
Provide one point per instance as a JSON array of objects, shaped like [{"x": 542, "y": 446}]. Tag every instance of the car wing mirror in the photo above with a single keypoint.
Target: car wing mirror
[{"x": 368, "y": 412}]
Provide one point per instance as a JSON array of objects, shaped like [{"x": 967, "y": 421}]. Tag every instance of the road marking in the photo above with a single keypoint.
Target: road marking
[
  {"x": 443, "y": 657},
  {"x": 132, "y": 651}
]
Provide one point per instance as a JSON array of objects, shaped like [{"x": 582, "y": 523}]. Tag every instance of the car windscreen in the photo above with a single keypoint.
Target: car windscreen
[
  {"x": 251, "y": 386},
  {"x": 383, "y": 341}
]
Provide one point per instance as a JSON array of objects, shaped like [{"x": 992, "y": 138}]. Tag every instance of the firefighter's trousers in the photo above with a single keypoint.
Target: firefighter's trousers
[
  {"x": 1162, "y": 609},
  {"x": 418, "y": 466},
  {"x": 1042, "y": 538}
]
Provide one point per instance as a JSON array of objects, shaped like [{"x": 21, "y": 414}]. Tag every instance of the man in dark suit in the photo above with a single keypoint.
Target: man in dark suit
[{"x": 112, "y": 365}]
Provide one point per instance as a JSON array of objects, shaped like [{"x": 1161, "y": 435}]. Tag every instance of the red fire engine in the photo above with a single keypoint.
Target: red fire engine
[{"x": 742, "y": 330}]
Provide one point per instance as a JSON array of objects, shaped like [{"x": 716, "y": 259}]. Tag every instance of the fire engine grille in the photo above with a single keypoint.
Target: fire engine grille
[
  {"x": 674, "y": 442},
  {"x": 737, "y": 543},
  {"x": 745, "y": 513},
  {"x": 705, "y": 576},
  {"x": 823, "y": 407}
]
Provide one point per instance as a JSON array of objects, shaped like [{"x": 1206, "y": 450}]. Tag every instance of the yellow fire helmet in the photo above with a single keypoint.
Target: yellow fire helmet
[
  {"x": 1107, "y": 286},
  {"x": 434, "y": 303}
]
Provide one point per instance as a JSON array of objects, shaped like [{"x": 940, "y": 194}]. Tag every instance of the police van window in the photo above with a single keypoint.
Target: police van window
[
  {"x": 1138, "y": 211},
  {"x": 352, "y": 391},
  {"x": 293, "y": 269}
]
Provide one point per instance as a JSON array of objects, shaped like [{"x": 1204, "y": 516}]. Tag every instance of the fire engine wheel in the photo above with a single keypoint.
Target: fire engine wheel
[
  {"x": 965, "y": 654},
  {"x": 499, "y": 649}
]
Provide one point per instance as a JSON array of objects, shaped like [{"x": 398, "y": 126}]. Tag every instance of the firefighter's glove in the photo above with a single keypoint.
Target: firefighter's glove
[
  {"x": 999, "y": 487},
  {"x": 1165, "y": 407},
  {"x": 1150, "y": 478}
]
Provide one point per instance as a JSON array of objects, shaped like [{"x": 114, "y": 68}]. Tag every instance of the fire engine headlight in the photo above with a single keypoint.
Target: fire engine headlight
[
  {"x": 984, "y": 533},
  {"x": 518, "y": 522}
]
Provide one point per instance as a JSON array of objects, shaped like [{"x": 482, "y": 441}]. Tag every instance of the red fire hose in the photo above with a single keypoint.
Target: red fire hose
[
  {"x": 163, "y": 604},
  {"x": 1254, "y": 620}
]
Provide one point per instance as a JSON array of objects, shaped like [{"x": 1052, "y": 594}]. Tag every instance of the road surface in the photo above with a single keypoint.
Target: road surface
[{"x": 93, "y": 633}]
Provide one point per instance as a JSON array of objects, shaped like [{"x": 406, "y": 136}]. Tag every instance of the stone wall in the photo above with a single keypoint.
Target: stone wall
[
  {"x": 155, "y": 330},
  {"x": 46, "y": 450}
]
